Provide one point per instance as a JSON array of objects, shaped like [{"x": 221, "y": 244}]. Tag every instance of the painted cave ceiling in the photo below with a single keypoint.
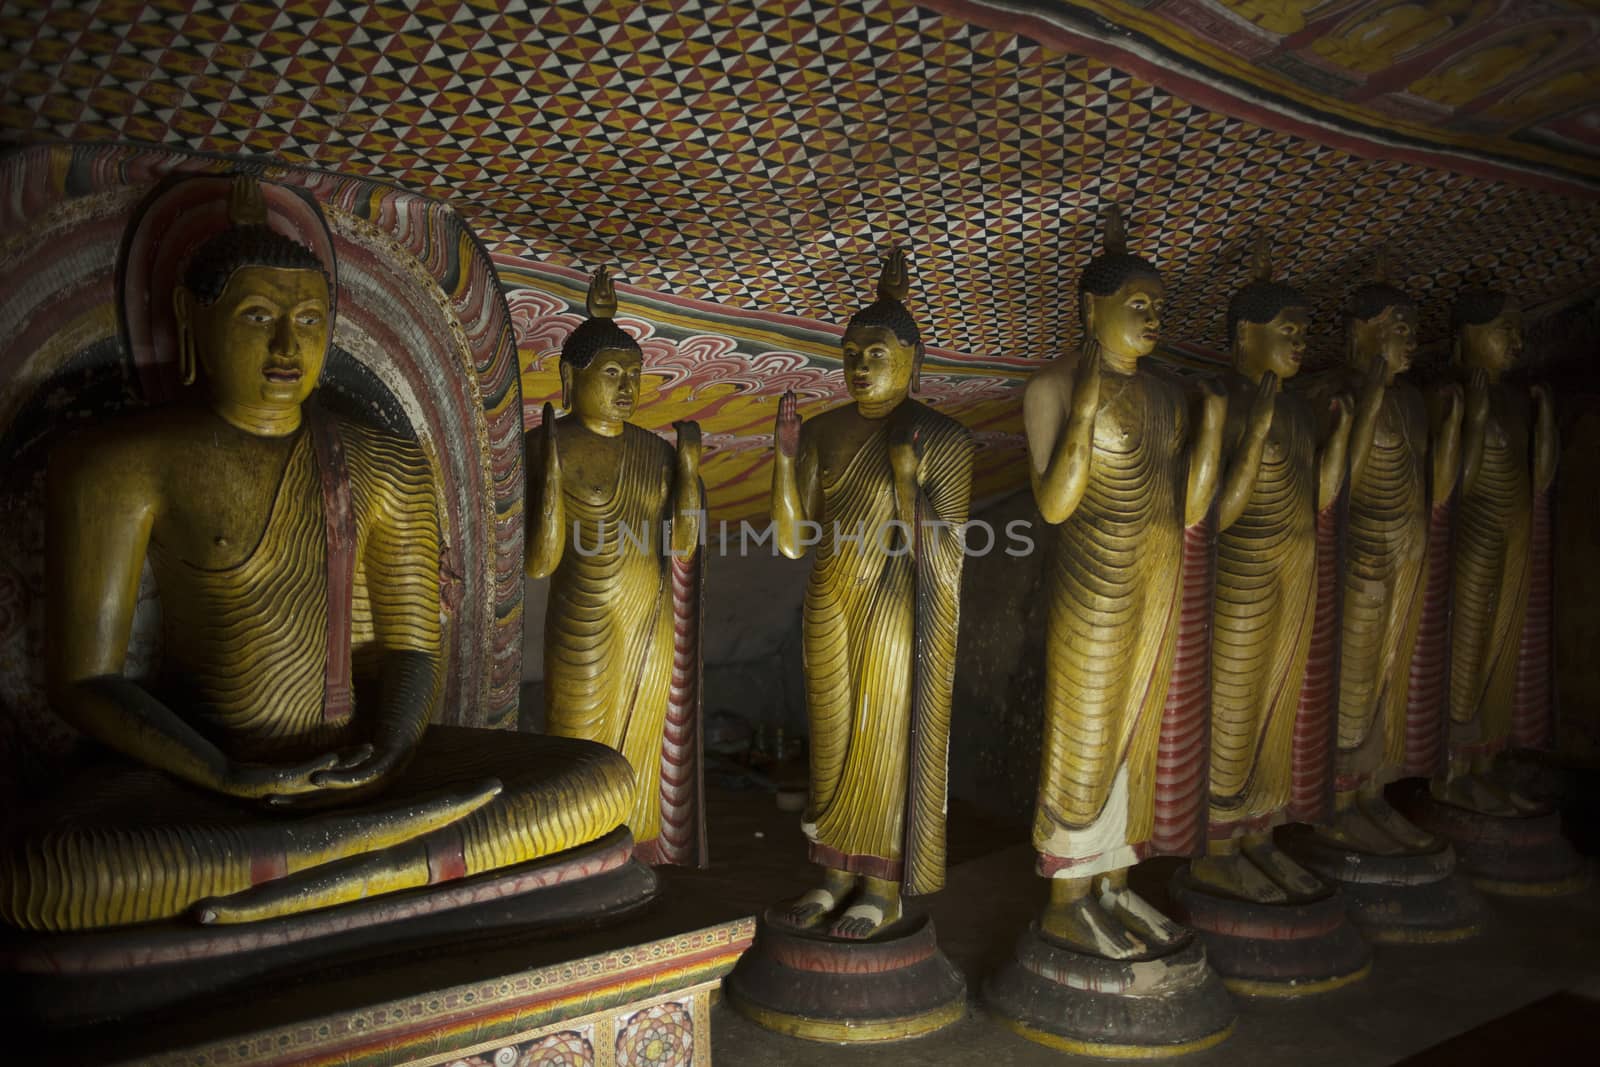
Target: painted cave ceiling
[{"x": 742, "y": 165}]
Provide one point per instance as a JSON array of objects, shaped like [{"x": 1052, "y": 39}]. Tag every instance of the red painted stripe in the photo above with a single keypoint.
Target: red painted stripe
[
  {"x": 1426, "y": 708},
  {"x": 1531, "y": 705}
]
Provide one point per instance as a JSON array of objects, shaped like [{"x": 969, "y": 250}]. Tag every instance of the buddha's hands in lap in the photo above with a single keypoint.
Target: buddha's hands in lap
[{"x": 281, "y": 784}]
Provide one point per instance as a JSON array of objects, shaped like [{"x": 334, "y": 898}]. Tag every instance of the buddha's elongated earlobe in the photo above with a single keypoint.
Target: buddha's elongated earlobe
[
  {"x": 182, "y": 309},
  {"x": 916, "y": 368},
  {"x": 566, "y": 387}
]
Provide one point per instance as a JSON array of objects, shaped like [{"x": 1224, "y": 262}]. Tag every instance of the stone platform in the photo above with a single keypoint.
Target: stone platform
[{"x": 636, "y": 992}]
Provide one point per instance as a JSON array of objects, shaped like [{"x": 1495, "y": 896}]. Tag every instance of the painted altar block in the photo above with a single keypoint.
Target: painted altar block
[{"x": 640, "y": 1004}]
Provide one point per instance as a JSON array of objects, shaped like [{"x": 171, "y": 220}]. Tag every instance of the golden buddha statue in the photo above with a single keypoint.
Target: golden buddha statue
[
  {"x": 1122, "y": 472},
  {"x": 1404, "y": 455},
  {"x": 1285, "y": 467},
  {"x": 880, "y": 487},
  {"x": 621, "y": 608},
  {"x": 1509, "y": 451},
  {"x": 297, "y": 559}
]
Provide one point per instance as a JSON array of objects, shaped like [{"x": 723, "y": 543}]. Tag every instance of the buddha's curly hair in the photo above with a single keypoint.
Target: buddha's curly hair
[
  {"x": 213, "y": 263},
  {"x": 1262, "y": 301},
  {"x": 890, "y": 314},
  {"x": 1374, "y": 298},
  {"x": 1477, "y": 307},
  {"x": 592, "y": 337},
  {"x": 1110, "y": 271}
]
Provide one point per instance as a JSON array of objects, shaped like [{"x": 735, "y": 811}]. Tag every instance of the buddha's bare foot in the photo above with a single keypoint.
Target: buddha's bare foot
[
  {"x": 1382, "y": 814},
  {"x": 1472, "y": 792},
  {"x": 1083, "y": 925},
  {"x": 1352, "y": 829},
  {"x": 877, "y": 906},
  {"x": 402, "y": 866},
  {"x": 812, "y": 908},
  {"x": 1275, "y": 864},
  {"x": 1525, "y": 804},
  {"x": 390, "y": 855},
  {"x": 1143, "y": 920},
  {"x": 1236, "y": 876}
]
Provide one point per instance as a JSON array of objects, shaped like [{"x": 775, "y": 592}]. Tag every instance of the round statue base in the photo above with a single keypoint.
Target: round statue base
[
  {"x": 1520, "y": 855},
  {"x": 1294, "y": 949},
  {"x": 896, "y": 986},
  {"x": 1412, "y": 898},
  {"x": 1122, "y": 1009}
]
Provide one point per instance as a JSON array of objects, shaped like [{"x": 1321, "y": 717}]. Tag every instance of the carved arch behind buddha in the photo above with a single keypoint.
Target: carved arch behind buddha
[{"x": 422, "y": 345}]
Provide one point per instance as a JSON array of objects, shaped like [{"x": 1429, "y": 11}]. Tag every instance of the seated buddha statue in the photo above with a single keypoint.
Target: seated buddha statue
[
  {"x": 1285, "y": 471},
  {"x": 283, "y": 761},
  {"x": 623, "y": 613}
]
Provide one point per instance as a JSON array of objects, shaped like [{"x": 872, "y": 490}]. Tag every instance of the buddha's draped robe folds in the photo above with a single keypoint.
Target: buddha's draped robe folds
[
  {"x": 1386, "y": 544},
  {"x": 245, "y": 658},
  {"x": 1262, "y": 628},
  {"x": 1494, "y": 568},
  {"x": 879, "y": 643},
  {"x": 612, "y": 630},
  {"x": 1127, "y": 586}
]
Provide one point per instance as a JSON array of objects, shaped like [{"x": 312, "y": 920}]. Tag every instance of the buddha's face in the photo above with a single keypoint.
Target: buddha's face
[
  {"x": 1277, "y": 346},
  {"x": 877, "y": 365},
  {"x": 1391, "y": 337},
  {"x": 1128, "y": 322},
  {"x": 607, "y": 390},
  {"x": 263, "y": 342},
  {"x": 1495, "y": 345}
]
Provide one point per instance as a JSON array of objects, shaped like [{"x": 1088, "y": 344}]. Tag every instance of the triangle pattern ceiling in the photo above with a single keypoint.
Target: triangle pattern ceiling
[{"x": 761, "y": 155}]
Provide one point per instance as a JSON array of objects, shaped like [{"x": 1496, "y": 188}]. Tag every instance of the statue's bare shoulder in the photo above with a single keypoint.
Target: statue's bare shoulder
[{"x": 1046, "y": 400}]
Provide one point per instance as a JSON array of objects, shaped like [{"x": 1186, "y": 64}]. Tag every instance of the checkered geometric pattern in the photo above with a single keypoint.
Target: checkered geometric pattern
[{"x": 760, "y": 154}]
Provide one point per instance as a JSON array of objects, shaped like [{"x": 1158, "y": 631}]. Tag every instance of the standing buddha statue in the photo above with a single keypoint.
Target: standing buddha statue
[
  {"x": 1122, "y": 472},
  {"x": 624, "y": 598},
  {"x": 1124, "y": 463},
  {"x": 1500, "y": 584},
  {"x": 1403, "y": 464},
  {"x": 284, "y": 761},
  {"x": 1271, "y": 927},
  {"x": 1508, "y": 466},
  {"x": 887, "y": 480},
  {"x": 879, "y": 488},
  {"x": 1285, "y": 470}
]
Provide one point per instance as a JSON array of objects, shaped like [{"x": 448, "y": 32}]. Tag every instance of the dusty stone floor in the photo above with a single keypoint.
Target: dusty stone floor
[{"x": 1527, "y": 991}]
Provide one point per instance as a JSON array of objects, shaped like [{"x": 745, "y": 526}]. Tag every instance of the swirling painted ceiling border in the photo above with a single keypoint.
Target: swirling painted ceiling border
[{"x": 727, "y": 369}]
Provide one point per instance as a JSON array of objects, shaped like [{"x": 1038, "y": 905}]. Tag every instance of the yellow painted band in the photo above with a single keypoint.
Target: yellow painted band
[
  {"x": 1559, "y": 888},
  {"x": 1079, "y": 1047},
  {"x": 1255, "y": 987},
  {"x": 1393, "y": 935},
  {"x": 850, "y": 1032}
]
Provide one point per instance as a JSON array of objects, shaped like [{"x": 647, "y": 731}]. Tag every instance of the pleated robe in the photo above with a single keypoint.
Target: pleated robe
[
  {"x": 618, "y": 617},
  {"x": 1123, "y": 765},
  {"x": 1262, "y": 625},
  {"x": 879, "y": 644}
]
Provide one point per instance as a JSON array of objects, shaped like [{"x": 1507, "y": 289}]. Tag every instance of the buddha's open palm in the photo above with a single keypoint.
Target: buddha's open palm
[
  {"x": 787, "y": 432},
  {"x": 1262, "y": 406},
  {"x": 689, "y": 446}
]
